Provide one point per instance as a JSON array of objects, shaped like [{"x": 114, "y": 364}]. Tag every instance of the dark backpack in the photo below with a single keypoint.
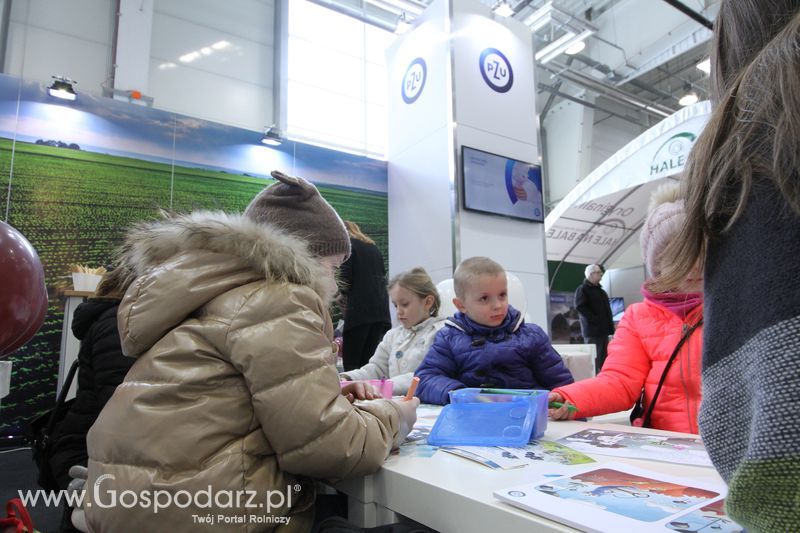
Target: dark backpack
[{"x": 40, "y": 433}]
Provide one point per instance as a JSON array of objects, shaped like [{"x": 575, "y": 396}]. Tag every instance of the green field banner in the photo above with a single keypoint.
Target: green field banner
[{"x": 77, "y": 173}]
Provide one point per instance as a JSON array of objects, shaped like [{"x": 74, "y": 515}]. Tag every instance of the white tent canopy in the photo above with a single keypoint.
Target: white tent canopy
[{"x": 601, "y": 217}]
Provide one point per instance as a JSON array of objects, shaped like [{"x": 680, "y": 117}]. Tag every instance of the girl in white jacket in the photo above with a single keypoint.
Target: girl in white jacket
[{"x": 403, "y": 348}]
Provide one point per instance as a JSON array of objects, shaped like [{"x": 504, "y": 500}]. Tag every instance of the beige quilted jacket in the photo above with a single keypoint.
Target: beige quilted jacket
[{"x": 232, "y": 405}]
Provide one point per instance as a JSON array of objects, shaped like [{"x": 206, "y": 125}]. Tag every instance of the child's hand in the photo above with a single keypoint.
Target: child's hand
[
  {"x": 358, "y": 390},
  {"x": 408, "y": 417},
  {"x": 562, "y": 413}
]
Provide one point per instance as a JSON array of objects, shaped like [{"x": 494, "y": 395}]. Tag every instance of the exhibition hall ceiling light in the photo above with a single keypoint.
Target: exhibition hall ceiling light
[
  {"x": 563, "y": 32},
  {"x": 575, "y": 48},
  {"x": 690, "y": 97},
  {"x": 62, "y": 88},
  {"x": 705, "y": 65},
  {"x": 272, "y": 136},
  {"x": 194, "y": 55},
  {"x": 503, "y": 9}
]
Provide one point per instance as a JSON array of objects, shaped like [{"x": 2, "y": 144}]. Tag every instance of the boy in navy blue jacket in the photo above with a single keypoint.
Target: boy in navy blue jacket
[{"x": 487, "y": 343}]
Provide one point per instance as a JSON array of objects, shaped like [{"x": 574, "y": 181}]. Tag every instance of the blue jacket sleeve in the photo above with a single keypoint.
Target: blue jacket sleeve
[
  {"x": 438, "y": 371},
  {"x": 545, "y": 363}
]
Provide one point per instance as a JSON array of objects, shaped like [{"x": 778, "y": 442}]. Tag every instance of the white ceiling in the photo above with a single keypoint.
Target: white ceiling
[{"x": 643, "y": 55}]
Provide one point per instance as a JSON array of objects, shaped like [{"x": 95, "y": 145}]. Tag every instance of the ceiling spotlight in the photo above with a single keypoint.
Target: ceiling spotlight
[
  {"x": 688, "y": 99},
  {"x": 705, "y": 65},
  {"x": 503, "y": 9},
  {"x": 403, "y": 25},
  {"x": 62, "y": 88},
  {"x": 575, "y": 48},
  {"x": 560, "y": 45},
  {"x": 272, "y": 136}
]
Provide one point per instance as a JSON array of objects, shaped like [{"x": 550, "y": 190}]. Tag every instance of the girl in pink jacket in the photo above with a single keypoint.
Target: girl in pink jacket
[{"x": 646, "y": 339}]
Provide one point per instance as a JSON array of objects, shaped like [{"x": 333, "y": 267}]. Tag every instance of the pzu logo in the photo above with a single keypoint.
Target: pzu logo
[
  {"x": 414, "y": 80},
  {"x": 496, "y": 70}
]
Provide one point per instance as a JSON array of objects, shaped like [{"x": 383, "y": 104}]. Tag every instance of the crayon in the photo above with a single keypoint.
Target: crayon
[
  {"x": 412, "y": 388},
  {"x": 505, "y": 391},
  {"x": 556, "y": 405}
]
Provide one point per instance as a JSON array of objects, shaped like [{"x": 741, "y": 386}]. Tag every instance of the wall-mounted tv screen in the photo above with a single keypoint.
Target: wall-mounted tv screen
[
  {"x": 617, "y": 304},
  {"x": 501, "y": 185}
]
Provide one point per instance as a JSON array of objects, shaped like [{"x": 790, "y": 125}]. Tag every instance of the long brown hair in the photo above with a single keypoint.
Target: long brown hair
[
  {"x": 754, "y": 130},
  {"x": 356, "y": 233}
]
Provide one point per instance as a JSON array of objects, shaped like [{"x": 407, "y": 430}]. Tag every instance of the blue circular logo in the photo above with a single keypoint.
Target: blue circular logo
[
  {"x": 496, "y": 70},
  {"x": 516, "y": 493},
  {"x": 414, "y": 80}
]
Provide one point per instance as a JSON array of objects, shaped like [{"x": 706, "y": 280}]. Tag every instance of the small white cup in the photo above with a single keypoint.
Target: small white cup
[{"x": 85, "y": 282}]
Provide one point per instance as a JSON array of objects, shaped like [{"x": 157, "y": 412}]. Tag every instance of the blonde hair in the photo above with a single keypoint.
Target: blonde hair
[
  {"x": 356, "y": 233},
  {"x": 471, "y": 268},
  {"x": 420, "y": 283}
]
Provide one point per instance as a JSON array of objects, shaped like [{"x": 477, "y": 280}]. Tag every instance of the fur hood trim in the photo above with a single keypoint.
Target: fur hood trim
[{"x": 267, "y": 249}]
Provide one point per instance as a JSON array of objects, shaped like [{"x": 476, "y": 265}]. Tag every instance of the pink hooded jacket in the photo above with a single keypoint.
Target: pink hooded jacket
[{"x": 642, "y": 344}]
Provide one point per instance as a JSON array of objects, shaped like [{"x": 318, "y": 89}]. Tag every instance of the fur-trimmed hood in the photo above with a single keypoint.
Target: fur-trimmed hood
[{"x": 177, "y": 265}]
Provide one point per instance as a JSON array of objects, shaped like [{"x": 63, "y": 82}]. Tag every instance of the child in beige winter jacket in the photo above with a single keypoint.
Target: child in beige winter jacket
[{"x": 232, "y": 407}]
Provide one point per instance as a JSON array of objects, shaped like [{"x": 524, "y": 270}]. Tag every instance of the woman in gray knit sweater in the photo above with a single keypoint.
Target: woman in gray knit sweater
[{"x": 743, "y": 213}]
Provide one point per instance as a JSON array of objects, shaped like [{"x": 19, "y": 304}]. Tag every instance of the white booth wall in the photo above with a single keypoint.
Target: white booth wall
[
  {"x": 625, "y": 283},
  {"x": 455, "y": 108}
]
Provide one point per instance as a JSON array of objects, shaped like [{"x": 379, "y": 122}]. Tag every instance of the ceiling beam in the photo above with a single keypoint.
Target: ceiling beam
[
  {"x": 609, "y": 91},
  {"x": 691, "y": 13},
  {"x": 555, "y": 92}
]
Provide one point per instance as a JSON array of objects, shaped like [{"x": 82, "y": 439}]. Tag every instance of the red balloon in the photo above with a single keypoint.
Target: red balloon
[
  {"x": 28, "y": 334},
  {"x": 24, "y": 296}
]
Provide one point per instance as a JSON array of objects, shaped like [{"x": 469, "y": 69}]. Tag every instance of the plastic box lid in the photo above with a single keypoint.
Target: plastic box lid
[
  {"x": 536, "y": 396},
  {"x": 506, "y": 421}
]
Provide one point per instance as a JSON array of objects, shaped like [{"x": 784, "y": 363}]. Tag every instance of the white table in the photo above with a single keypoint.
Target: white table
[{"x": 453, "y": 494}]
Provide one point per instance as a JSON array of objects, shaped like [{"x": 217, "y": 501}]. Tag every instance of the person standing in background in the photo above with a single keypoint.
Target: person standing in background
[
  {"x": 742, "y": 185},
  {"x": 365, "y": 302},
  {"x": 102, "y": 367},
  {"x": 597, "y": 323}
]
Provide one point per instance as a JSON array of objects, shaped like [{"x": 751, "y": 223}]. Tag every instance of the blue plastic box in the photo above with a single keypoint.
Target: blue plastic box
[
  {"x": 537, "y": 397},
  {"x": 506, "y": 423},
  {"x": 476, "y": 417}
]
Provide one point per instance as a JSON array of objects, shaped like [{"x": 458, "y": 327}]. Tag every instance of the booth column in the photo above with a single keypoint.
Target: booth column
[{"x": 461, "y": 78}]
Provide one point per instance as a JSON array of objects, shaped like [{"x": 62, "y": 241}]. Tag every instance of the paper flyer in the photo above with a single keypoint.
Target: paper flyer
[
  {"x": 491, "y": 456},
  {"x": 550, "y": 452},
  {"x": 427, "y": 415},
  {"x": 680, "y": 450},
  {"x": 534, "y": 453},
  {"x": 416, "y": 443},
  {"x": 616, "y": 497}
]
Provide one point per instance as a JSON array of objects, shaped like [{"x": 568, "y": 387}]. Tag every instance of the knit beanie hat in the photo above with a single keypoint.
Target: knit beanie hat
[
  {"x": 295, "y": 205},
  {"x": 666, "y": 214}
]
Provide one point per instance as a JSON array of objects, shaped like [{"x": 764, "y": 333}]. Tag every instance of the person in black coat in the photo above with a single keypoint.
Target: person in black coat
[
  {"x": 101, "y": 367},
  {"x": 365, "y": 301},
  {"x": 597, "y": 322}
]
